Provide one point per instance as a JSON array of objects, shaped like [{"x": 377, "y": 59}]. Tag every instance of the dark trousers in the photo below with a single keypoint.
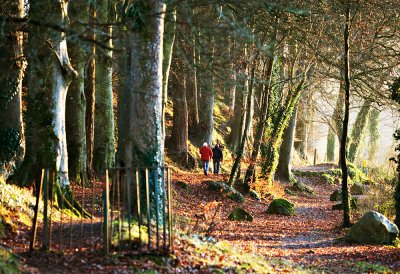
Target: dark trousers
[{"x": 217, "y": 163}]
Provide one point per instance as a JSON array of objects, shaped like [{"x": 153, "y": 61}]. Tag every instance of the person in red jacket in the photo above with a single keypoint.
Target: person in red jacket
[{"x": 206, "y": 155}]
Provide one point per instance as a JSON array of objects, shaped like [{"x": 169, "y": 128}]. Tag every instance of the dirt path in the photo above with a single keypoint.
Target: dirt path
[{"x": 312, "y": 238}]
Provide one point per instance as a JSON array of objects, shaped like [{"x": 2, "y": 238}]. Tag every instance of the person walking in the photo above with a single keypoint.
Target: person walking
[
  {"x": 217, "y": 158},
  {"x": 206, "y": 155}
]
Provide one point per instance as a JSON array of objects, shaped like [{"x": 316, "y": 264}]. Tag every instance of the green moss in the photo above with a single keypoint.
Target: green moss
[
  {"x": 281, "y": 206},
  {"x": 127, "y": 234},
  {"x": 239, "y": 214},
  {"x": 9, "y": 263},
  {"x": 329, "y": 179},
  {"x": 231, "y": 193},
  {"x": 255, "y": 195},
  {"x": 236, "y": 196}
]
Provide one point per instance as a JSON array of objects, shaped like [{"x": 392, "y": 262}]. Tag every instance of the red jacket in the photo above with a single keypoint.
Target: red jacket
[{"x": 206, "y": 153}]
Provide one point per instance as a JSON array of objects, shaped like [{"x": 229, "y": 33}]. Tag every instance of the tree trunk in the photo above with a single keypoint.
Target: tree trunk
[
  {"x": 240, "y": 151},
  {"x": 303, "y": 126},
  {"x": 104, "y": 135},
  {"x": 145, "y": 145},
  {"x": 168, "y": 44},
  {"x": 76, "y": 101},
  {"x": 260, "y": 127},
  {"x": 358, "y": 130},
  {"x": 330, "y": 146},
  {"x": 192, "y": 89},
  {"x": 270, "y": 151},
  {"x": 346, "y": 76},
  {"x": 179, "y": 136},
  {"x": 90, "y": 93},
  {"x": 373, "y": 144},
  {"x": 50, "y": 74},
  {"x": 283, "y": 170},
  {"x": 13, "y": 65},
  {"x": 237, "y": 123}
]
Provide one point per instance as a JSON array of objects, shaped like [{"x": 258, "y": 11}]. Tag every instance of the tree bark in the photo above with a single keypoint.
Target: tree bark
[
  {"x": 283, "y": 170},
  {"x": 237, "y": 122},
  {"x": 179, "y": 136},
  {"x": 90, "y": 94},
  {"x": 358, "y": 130},
  {"x": 343, "y": 164},
  {"x": 50, "y": 74},
  {"x": 13, "y": 65},
  {"x": 145, "y": 145},
  {"x": 104, "y": 135},
  {"x": 76, "y": 101},
  {"x": 260, "y": 127},
  {"x": 373, "y": 123},
  {"x": 192, "y": 88},
  {"x": 168, "y": 44},
  {"x": 240, "y": 151}
]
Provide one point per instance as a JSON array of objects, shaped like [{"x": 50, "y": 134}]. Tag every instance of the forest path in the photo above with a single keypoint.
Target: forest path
[{"x": 313, "y": 238}]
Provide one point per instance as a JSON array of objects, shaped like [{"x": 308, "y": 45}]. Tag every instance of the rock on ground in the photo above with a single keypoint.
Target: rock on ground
[{"x": 373, "y": 228}]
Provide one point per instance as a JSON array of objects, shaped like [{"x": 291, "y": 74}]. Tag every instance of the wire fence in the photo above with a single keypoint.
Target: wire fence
[{"x": 129, "y": 211}]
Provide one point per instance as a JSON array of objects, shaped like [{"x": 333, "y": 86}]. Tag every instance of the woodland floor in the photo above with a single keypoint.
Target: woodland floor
[{"x": 311, "y": 240}]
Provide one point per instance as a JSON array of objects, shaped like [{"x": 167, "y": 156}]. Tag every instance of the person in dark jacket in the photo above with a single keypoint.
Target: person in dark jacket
[
  {"x": 217, "y": 158},
  {"x": 206, "y": 155}
]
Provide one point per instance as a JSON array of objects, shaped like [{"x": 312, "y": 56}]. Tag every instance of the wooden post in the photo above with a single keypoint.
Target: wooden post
[
  {"x": 106, "y": 214},
  {"x": 34, "y": 224},
  {"x": 315, "y": 157},
  {"x": 45, "y": 245}
]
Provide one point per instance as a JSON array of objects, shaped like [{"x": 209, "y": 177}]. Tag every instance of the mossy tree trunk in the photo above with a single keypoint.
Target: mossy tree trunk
[
  {"x": 50, "y": 74},
  {"x": 330, "y": 146},
  {"x": 260, "y": 129},
  {"x": 76, "y": 101},
  {"x": 358, "y": 130},
  {"x": 283, "y": 170},
  {"x": 346, "y": 77},
  {"x": 144, "y": 146},
  {"x": 104, "y": 135},
  {"x": 374, "y": 135},
  {"x": 12, "y": 69},
  {"x": 270, "y": 150}
]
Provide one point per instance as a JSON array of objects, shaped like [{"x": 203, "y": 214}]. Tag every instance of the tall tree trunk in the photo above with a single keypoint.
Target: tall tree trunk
[
  {"x": 232, "y": 84},
  {"x": 240, "y": 151},
  {"x": 104, "y": 135},
  {"x": 336, "y": 125},
  {"x": 12, "y": 69},
  {"x": 330, "y": 145},
  {"x": 76, "y": 101},
  {"x": 270, "y": 151},
  {"x": 144, "y": 146},
  {"x": 237, "y": 122},
  {"x": 373, "y": 144},
  {"x": 260, "y": 127},
  {"x": 283, "y": 170},
  {"x": 90, "y": 93},
  {"x": 343, "y": 164},
  {"x": 50, "y": 74},
  {"x": 192, "y": 88},
  {"x": 169, "y": 38},
  {"x": 303, "y": 126},
  {"x": 179, "y": 136},
  {"x": 358, "y": 130}
]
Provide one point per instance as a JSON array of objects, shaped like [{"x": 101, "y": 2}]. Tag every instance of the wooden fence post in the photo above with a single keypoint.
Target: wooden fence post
[{"x": 106, "y": 215}]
